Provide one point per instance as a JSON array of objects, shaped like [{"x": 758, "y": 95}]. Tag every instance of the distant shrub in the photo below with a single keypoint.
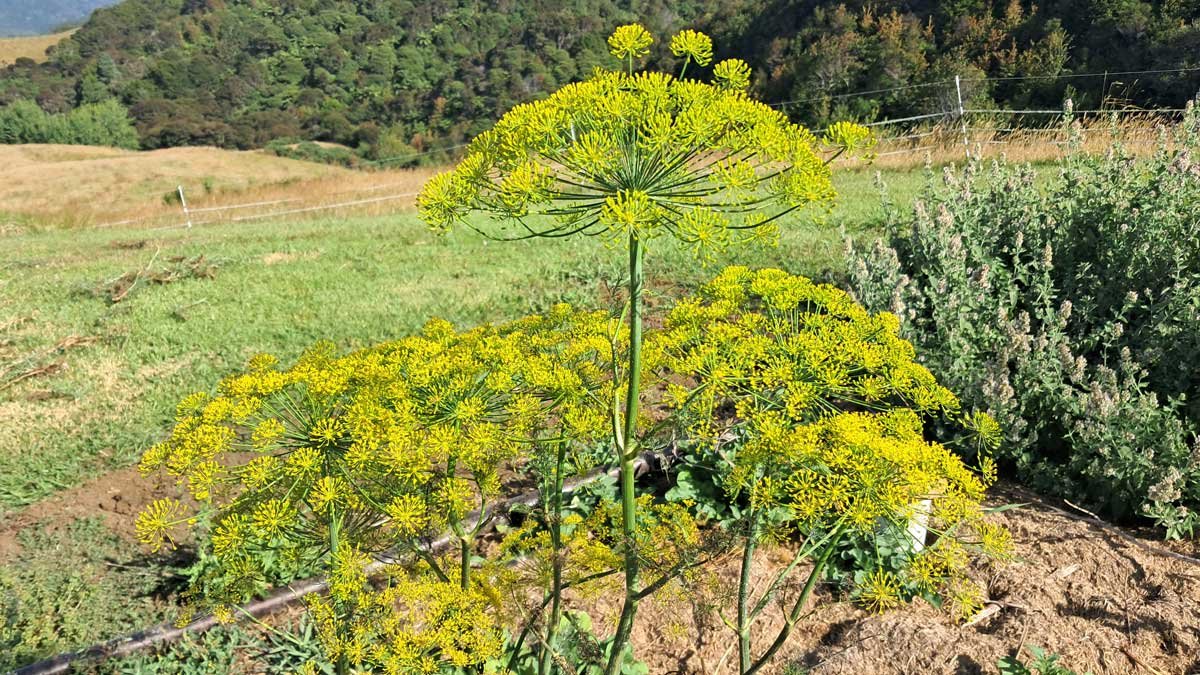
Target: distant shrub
[
  {"x": 105, "y": 123},
  {"x": 312, "y": 152},
  {"x": 1069, "y": 308}
]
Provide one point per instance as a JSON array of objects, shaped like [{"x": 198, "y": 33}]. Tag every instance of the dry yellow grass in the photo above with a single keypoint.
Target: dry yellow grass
[
  {"x": 33, "y": 47},
  {"x": 76, "y": 186},
  {"x": 944, "y": 144},
  {"x": 58, "y": 185}
]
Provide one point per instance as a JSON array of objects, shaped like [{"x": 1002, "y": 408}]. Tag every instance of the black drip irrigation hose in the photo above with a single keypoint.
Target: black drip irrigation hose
[{"x": 285, "y": 596}]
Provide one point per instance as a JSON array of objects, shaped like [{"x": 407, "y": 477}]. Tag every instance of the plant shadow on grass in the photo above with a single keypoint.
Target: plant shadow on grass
[{"x": 169, "y": 572}]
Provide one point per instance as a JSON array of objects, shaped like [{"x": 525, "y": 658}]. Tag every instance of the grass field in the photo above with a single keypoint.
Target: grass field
[
  {"x": 57, "y": 186},
  {"x": 32, "y": 47},
  {"x": 104, "y": 330}
]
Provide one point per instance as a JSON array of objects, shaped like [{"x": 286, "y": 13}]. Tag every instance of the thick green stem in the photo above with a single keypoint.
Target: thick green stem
[
  {"x": 342, "y": 667},
  {"x": 794, "y": 615},
  {"x": 556, "y": 589},
  {"x": 744, "y": 619},
  {"x": 627, "y": 447},
  {"x": 464, "y": 573}
]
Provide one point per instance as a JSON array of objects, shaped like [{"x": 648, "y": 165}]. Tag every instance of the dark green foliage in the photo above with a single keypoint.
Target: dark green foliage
[
  {"x": 104, "y": 123},
  {"x": 1069, "y": 308},
  {"x": 393, "y": 78}
]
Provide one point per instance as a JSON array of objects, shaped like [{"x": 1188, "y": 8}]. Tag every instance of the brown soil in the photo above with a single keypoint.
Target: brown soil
[
  {"x": 114, "y": 497},
  {"x": 1107, "y": 600},
  {"x": 1087, "y": 592}
]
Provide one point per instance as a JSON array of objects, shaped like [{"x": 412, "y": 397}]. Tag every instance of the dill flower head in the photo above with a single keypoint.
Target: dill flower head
[
  {"x": 733, "y": 74},
  {"x": 630, "y": 41},
  {"x": 879, "y": 592},
  {"x": 692, "y": 45},
  {"x": 642, "y": 154}
]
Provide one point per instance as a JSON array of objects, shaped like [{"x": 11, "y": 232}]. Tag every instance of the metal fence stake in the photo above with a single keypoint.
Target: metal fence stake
[
  {"x": 962, "y": 117},
  {"x": 183, "y": 200}
]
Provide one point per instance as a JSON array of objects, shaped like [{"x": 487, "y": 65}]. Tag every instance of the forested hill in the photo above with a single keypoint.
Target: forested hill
[
  {"x": 34, "y": 17},
  {"x": 391, "y": 77}
]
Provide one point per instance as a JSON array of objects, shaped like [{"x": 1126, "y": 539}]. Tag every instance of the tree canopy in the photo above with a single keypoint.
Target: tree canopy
[{"x": 396, "y": 77}]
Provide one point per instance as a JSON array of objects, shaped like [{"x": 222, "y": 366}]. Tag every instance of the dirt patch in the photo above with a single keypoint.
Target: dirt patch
[
  {"x": 1096, "y": 597},
  {"x": 115, "y": 498},
  {"x": 281, "y": 257},
  {"x": 175, "y": 269},
  {"x": 16, "y": 368},
  {"x": 129, "y": 244}
]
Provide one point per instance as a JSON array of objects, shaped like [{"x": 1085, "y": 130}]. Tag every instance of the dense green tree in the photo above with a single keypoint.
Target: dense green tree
[{"x": 104, "y": 123}]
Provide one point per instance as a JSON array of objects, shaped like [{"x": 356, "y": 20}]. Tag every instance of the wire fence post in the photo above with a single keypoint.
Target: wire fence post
[
  {"x": 962, "y": 116},
  {"x": 183, "y": 200}
]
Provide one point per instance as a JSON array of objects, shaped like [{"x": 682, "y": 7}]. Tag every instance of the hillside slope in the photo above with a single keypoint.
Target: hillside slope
[
  {"x": 33, "y": 47},
  {"x": 77, "y": 184},
  {"x": 395, "y": 77}
]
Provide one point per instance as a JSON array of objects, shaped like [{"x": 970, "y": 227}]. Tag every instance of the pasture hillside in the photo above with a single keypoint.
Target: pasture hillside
[
  {"x": 33, "y": 47},
  {"x": 62, "y": 185}
]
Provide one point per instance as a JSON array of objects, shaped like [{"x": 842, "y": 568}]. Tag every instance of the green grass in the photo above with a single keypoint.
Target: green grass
[
  {"x": 59, "y": 592},
  {"x": 278, "y": 287}
]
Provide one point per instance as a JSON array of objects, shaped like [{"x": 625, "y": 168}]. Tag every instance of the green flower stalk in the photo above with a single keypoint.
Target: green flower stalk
[{"x": 634, "y": 156}]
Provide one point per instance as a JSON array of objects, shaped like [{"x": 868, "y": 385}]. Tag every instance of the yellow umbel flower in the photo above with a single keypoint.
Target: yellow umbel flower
[
  {"x": 631, "y": 41},
  {"x": 694, "y": 46},
  {"x": 642, "y": 155},
  {"x": 879, "y": 592},
  {"x": 733, "y": 74},
  {"x": 157, "y": 521},
  {"x": 408, "y": 515}
]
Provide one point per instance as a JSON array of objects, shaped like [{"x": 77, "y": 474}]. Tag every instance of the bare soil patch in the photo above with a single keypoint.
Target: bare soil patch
[
  {"x": 116, "y": 498},
  {"x": 1096, "y": 597}
]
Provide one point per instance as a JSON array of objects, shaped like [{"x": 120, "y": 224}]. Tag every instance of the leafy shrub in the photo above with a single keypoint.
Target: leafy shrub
[
  {"x": 313, "y": 152},
  {"x": 106, "y": 123},
  {"x": 1069, "y": 308}
]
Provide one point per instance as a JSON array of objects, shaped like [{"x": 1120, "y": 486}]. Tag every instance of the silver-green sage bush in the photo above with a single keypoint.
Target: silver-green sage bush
[{"x": 1066, "y": 303}]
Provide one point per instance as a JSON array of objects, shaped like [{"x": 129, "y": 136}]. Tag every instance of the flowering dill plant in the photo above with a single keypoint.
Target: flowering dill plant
[
  {"x": 345, "y": 458},
  {"x": 634, "y": 156},
  {"x": 810, "y": 410}
]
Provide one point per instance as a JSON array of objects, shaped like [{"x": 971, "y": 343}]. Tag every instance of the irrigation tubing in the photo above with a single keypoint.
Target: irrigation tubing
[{"x": 285, "y": 596}]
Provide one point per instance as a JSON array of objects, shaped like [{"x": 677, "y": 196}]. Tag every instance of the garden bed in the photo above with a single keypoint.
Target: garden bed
[
  {"x": 1108, "y": 600},
  {"x": 1087, "y": 592}
]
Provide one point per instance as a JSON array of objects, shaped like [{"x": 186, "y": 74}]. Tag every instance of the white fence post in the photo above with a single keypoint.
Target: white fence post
[
  {"x": 962, "y": 116},
  {"x": 183, "y": 200}
]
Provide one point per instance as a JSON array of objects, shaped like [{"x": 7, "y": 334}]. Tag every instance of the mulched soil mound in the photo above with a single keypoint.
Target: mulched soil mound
[{"x": 1105, "y": 599}]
